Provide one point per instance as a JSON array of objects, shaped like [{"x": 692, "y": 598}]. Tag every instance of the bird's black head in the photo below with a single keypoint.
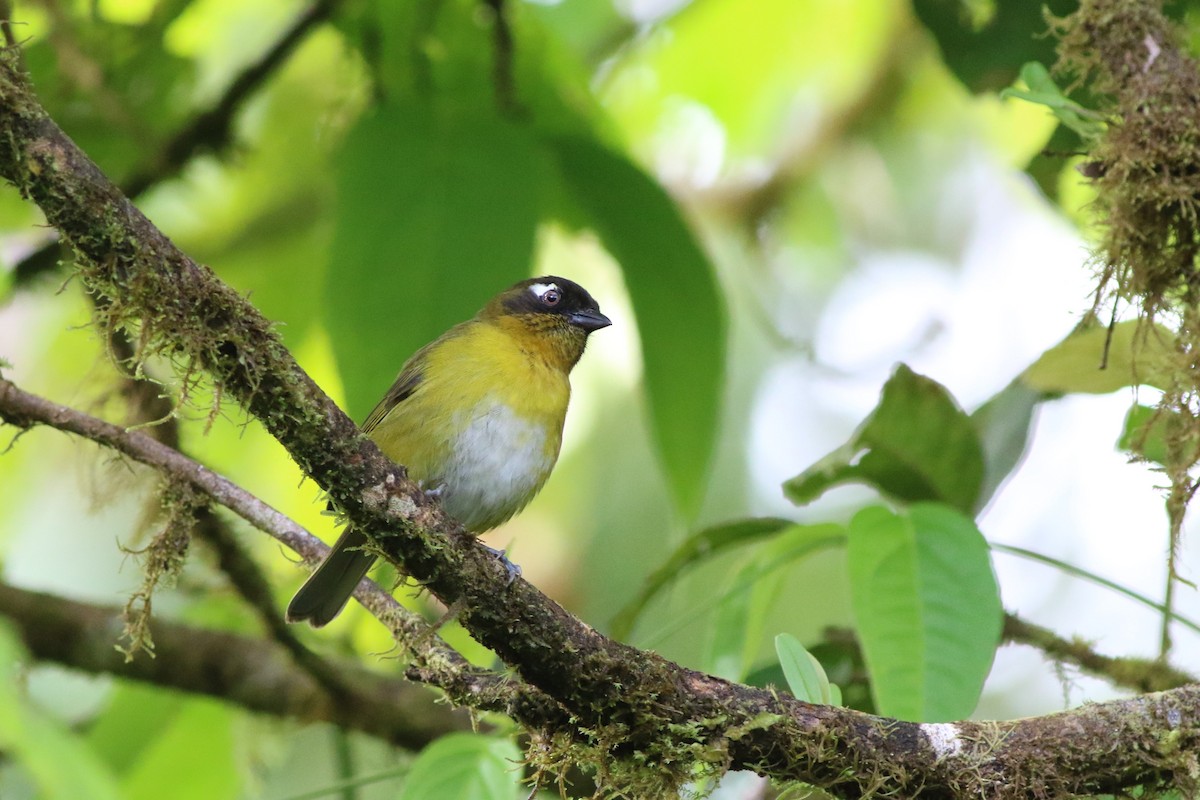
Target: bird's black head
[
  {"x": 558, "y": 297},
  {"x": 550, "y": 318}
]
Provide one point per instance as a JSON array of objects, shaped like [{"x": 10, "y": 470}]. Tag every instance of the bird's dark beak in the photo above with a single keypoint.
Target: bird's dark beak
[{"x": 589, "y": 320}]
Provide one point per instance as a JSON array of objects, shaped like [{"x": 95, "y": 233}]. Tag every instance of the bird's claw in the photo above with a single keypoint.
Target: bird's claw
[
  {"x": 514, "y": 570},
  {"x": 435, "y": 491}
]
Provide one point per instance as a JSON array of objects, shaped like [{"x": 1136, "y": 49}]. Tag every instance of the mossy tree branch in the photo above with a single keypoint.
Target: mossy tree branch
[
  {"x": 1140, "y": 674},
  {"x": 631, "y": 707}
]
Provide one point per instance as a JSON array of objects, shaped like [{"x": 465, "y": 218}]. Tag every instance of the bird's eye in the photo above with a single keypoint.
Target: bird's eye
[{"x": 550, "y": 297}]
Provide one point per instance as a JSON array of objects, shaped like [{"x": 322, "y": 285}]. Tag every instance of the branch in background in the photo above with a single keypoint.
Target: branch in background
[
  {"x": 1141, "y": 674},
  {"x": 24, "y": 410},
  {"x": 207, "y": 131},
  {"x": 622, "y": 701},
  {"x": 249, "y": 672},
  {"x": 249, "y": 582},
  {"x": 212, "y": 130},
  {"x": 503, "y": 55}
]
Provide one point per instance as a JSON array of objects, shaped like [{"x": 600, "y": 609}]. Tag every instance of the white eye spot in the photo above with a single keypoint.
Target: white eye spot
[{"x": 547, "y": 293}]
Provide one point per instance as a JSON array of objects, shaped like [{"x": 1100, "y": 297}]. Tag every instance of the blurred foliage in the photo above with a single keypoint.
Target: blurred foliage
[{"x": 728, "y": 185}]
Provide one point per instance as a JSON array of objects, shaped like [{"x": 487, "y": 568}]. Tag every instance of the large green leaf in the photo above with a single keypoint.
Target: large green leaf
[
  {"x": 673, "y": 287},
  {"x": 1098, "y": 360},
  {"x": 466, "y": 766},
  {"x": 916, "y": 445},
  {"x": 927, "y": 609},
  {"x": 696, "y": 549},
  {"x": 59, "y": 764},
  {"x": 437, "y": 212}
]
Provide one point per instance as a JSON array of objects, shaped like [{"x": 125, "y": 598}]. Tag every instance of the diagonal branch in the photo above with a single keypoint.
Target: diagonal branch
[{"x": 624, "y": 701}]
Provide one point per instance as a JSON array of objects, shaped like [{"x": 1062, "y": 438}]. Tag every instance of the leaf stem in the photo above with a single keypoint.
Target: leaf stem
[{"x": 1079, "y": 572}]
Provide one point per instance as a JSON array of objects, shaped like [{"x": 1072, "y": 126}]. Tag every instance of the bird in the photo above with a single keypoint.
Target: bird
[{"x": 476, "y": 417}]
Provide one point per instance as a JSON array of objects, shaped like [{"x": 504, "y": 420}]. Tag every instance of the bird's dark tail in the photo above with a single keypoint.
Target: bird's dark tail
[{"x": 326, "y": 591}]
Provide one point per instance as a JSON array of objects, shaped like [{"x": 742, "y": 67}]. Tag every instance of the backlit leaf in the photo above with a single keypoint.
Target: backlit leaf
[
  {"x": 927, "y": 609},
  {"x": 1003, "y": 424},
  {"x": 916, "y": 445},
  {"x": 683, "y": 337},
  {"x": 1097, "y": 361},
  {"x": 740, "y": 624},
  {"x": 805, "y": 676},
  {"x": 694, "y": 550}
]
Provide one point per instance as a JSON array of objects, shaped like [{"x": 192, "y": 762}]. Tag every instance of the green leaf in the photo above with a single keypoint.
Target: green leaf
[
  {"x": 916, "y": 445},
  {"x": 927, "y": 609},
  {"x": 1041, "y": 89},
  {"x": 740, "y": 624},
  {"x": 1091, "y": 362},
  {"x": 437, "y": 212},
  {"x": 683, "y": 341},
  {"x": 805, "y": 676},
  {"x": 1002, "y": 425},
  {"x": 59, "y": 764},
  {"x": 694, "y": 550},
  {"x": 197, "y": 756},
  {"x": 135, "y": 716},
  {"x": 465, "y": 766},
  {"x": 1144, "y": 433}
]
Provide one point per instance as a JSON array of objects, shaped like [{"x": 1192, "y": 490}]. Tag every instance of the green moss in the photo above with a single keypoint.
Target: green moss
[
  {"x": 1146, "y": 169},
  {"x": 162, "y": 561}
]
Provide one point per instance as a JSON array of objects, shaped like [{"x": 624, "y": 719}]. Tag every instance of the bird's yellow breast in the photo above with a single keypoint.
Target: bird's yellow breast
[{"x": 483, "y": 423}]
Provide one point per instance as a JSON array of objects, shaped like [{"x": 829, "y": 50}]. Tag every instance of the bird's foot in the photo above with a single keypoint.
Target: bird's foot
[
  {"x": 433, "y": 491},
  {"x": 514, "y": 570}
]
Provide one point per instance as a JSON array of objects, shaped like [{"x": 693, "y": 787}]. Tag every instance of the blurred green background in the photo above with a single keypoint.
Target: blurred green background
[{"x": 775, "y": 202}]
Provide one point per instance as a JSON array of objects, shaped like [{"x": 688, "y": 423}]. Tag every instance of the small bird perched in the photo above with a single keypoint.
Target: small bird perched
[{"x": 476, "y": 416}]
